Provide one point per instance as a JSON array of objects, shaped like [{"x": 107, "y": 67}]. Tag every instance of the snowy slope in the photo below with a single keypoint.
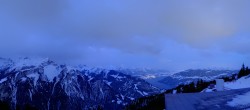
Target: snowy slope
[
  {"x": 243, "y": 82},
  {"x": 237, "y": 99},
  {"x": 240, "y": 100}
]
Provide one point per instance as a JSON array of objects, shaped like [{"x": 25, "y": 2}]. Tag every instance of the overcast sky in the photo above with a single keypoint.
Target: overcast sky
[{"x": 162, "y": 34}]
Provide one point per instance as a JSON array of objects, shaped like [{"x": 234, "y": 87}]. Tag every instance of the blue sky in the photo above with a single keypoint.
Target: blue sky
[{"x": 164, "y": 34}]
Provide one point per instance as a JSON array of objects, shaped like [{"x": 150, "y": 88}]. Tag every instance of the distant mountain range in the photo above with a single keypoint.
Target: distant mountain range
[
  {"x": 194, "y": 74},
  {"x": 166, "y": 80},
  {"x": 145, "y": 73},
  {"x": 46, "y": 85}
]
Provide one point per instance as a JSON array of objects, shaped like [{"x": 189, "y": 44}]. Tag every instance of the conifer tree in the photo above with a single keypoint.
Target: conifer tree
[{"x": 242, "y": 71}]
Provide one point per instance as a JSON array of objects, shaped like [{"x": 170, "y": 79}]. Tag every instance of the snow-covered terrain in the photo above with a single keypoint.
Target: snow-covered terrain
[
  {"x": 240, "y": 100},
  {"x": 243, "y": 82},
  {"x": 47, "y": 85},
  {"x": 237, "y": 99}
]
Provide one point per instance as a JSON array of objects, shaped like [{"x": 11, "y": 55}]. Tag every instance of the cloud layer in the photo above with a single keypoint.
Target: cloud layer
[{"x": 158, "y": 34}]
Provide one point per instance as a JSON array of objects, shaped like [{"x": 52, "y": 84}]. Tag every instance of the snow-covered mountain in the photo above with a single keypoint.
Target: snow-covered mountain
[
  {"x": 193, "y": 75},
  {"x": 47, "y": 85}
]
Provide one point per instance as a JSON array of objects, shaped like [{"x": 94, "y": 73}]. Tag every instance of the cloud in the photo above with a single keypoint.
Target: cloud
[
  {"x": 238, "y": 44},
  {"x": 141, "y": 28}
]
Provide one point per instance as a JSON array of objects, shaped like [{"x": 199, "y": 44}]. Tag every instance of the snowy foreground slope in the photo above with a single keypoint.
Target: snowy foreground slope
[
  {"x": 46, "y": 85},
  {"x": 241, "y": 100},
  {"x": 237, "y": 99},
  {"x": 243, "y": 82},
  {"x": 236, "y": 96}
]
